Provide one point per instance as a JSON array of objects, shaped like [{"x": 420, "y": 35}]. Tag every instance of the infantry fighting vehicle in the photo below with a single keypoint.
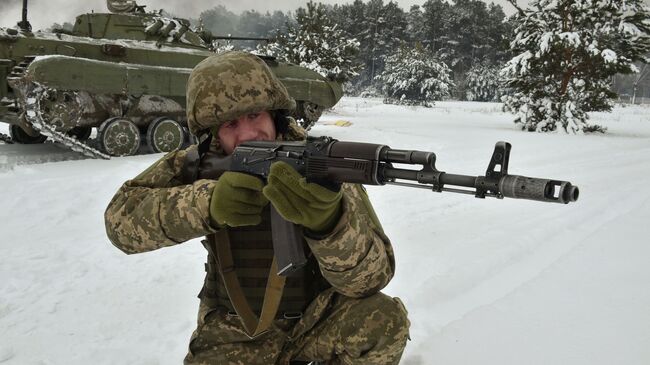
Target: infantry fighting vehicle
[{"x": 122, "y": 73}]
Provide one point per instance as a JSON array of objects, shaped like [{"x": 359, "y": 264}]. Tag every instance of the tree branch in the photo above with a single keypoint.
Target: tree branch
[{"x": 514, "y": 3}]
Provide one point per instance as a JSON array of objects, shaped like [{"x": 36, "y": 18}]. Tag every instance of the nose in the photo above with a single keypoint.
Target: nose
[{"x": 248, "y": 131}]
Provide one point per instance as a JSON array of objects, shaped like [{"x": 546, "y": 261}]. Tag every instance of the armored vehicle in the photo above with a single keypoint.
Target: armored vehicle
[{"x": 123, "y": 74}]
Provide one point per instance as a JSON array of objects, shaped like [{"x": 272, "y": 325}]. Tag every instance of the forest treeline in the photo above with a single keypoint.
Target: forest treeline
[{"x": 462, "y": 34}]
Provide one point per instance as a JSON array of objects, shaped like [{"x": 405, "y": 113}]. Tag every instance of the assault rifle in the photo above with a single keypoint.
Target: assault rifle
[{"x": 328, "y": 161}]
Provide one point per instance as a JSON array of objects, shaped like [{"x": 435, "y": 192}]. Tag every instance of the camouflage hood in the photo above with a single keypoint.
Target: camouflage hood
[{"x": 226, "y": 86}]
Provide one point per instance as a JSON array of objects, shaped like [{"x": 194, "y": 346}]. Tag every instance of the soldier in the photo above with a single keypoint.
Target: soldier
[{"x": 332, "y": 310}]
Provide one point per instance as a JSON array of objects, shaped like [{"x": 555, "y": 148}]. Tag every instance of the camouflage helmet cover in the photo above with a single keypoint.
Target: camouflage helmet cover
[{"x": 225, "y": 86}]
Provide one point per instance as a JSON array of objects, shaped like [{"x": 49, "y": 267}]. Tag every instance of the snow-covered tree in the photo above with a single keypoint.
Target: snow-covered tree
[
  {"x": 316, "y": 42},
  {"x": 221, "y": 46},
  {"x": 483, "y": 83},
  {"x": 566, "y": 52},
  {"x": 380, "y": 28},
  {"x": 414, "y": 76}
]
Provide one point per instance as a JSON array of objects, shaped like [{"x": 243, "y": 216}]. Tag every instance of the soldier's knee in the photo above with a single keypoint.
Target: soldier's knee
[
  {"x": 375, "y": 330},
  {"x": 383, "y": 313},
  {"x": 394, "y": 313}
]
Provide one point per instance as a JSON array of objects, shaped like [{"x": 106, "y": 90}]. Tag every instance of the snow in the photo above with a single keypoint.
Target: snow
[
  {"x": 131, "y": 44},
  {"x": 593, "y": 48},
  {"x": 520, "y": 61},
  {"x": 544, "y": 42},
  {"x": 609, "y": 56},
  {"x": 485, "y": 281},
  {"x": 151, "y": 26},
  {"x": 573, "y": 39},
  {"x": 630, "y": 28},
  {"x": 62, "y": 58}
]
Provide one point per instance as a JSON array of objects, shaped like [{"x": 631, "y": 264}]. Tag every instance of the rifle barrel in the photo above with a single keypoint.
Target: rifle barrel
[{"x": 508, "y": 186}]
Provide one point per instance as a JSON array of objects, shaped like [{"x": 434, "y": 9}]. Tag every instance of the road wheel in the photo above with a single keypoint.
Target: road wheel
[
  {"x": 165, "y": 135},
  {"x": 119, "y": 137},
  {"x": 60, "y": 109}
]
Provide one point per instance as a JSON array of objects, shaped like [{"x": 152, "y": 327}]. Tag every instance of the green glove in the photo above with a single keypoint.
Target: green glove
[
  {"x": 237, "y": 200},
  {"x": 308, "y": 204}
]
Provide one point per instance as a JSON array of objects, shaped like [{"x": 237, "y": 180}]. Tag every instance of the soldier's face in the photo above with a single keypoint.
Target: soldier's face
[{"x": 249, "y": 127}]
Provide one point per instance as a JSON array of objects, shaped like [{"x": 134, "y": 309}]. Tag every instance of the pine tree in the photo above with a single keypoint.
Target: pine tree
[
  {"x": 352, "y": 21},
  {"x": 463, "y": 33},
  {"x": 436, "y": 15},
  {"x": 316, "y": 42},
  {"x": 380, "y": 29},
  {"x": 466, "y": 34},
  {"x": 391, "y": 32},
  {"x": 415, "y": 21},
  {"x": 350, "y": 17},
  {"x": 498, "y": 31},
  {"x": 483, "y": 83},
  {"x": 414, "y": 76},
  {"x": 566, "y": 52}
]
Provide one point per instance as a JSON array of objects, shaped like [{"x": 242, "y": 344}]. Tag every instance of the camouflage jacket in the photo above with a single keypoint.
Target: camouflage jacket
[{"x": 156, "y": 210}]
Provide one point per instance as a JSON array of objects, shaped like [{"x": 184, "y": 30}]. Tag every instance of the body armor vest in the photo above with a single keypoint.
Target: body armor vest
[{"x": 252, "y": 253}]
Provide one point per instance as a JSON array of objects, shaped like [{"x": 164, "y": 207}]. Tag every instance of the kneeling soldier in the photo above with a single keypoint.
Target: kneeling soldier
[{"x": 332, "y": 310}]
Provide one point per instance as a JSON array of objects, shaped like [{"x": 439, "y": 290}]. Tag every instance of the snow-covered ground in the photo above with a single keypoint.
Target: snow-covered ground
[{"x": 485, "y": 281}]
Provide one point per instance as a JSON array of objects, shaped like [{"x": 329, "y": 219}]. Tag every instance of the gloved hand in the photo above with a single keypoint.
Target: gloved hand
[
  {"x": 237, "y": 200},
  {"x": 309, "y": 204}
]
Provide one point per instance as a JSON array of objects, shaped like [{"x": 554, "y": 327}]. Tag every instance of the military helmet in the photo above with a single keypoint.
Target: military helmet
[{"x": 225, "y": 86}]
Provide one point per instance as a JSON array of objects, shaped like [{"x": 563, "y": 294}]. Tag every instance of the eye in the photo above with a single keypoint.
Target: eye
[
  {"x": 253, "y": 115},
  {"x": 230, "y": 124}
]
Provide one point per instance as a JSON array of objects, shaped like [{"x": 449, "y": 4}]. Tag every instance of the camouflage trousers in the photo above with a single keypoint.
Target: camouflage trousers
[{"x": 333, "y": 330}]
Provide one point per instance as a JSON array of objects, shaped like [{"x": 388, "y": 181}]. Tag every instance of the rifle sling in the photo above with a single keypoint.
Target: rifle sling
[{"x": 253, "y": 325}]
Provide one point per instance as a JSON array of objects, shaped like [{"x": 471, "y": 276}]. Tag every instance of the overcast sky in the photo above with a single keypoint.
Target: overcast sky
[{"x": 42, "y": 13}]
